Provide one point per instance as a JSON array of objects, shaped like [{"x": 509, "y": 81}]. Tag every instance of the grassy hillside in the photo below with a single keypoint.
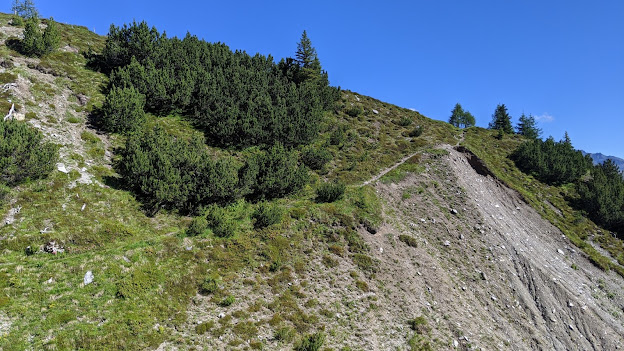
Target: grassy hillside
[{"x": 151, "y": 279}]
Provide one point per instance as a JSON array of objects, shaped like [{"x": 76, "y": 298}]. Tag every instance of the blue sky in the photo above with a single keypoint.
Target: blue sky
[{"x": 560, "y": 60}]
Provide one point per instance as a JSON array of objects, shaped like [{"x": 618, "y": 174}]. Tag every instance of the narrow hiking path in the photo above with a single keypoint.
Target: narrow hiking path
[
  {"x": 402, "y": 161},
  {"x": 386, "y": 170}
]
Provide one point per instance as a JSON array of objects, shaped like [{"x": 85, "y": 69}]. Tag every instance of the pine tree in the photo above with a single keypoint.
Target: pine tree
[
  {"x": 501, "y": 120},
  {"x": 25, "y": 9},
  {"x": 456, "y": 115},
  {"x": 32, "y": 44},
  {"x": 51, "y": 37},
  {"x": 461, "y": 118},
  {"x": 306, "y": 54},
  {"x": 527, "y": 127},
  {"x": 467, "y": 120}
]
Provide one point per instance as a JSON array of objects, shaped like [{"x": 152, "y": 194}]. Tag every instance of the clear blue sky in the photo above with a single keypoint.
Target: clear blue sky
[{"x": 560, "y": 60}]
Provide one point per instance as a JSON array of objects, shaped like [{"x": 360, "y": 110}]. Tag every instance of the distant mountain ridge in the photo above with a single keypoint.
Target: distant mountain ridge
[{"x": 600, "y": 158}]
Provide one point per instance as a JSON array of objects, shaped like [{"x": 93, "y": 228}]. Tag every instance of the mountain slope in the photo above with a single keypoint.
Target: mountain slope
[{"x": 430, "y": 254}]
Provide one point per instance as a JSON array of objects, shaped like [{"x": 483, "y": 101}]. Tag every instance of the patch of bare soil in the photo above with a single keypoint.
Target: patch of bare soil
[{"x": 494, "y": 273}]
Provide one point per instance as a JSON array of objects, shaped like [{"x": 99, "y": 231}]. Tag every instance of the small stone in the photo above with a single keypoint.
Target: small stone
[
  {"x": 447, "y": 243},
  {"x": 83, "y": 207},
  {"x": 61, "y": 167},
  {"x": 455, "y": 343},
  {"x": 464, "y": 288},
  {"x": 454, "y": 211},
  {"x": 221, "y": 315},
  {"x": 88, "y": 278},
  {"x": 423, "y": 220},
  {"x": 461, "y": 236},
  {"x": 570, "y": 304},
  {"x": 493, "y": 298},
  {"x": 376, "y": 112},
  {"x": 381, "y": 250},
  {"x": 560, "y": 252},
  {"x": 570, "y": 326}
]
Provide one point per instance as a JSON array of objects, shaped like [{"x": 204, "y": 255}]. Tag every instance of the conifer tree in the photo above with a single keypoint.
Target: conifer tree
[
  {"x": 461, "y": 118},
  {"x": 527, "y": 127},
  {"x": 25, "y": 9},
  {"x": 467, "y": 120},
  {"x": 501, "y": 120},
  {"x": 456, "y": 115}
]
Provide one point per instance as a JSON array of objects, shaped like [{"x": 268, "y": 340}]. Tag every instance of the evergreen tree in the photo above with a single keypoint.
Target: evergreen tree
[
  {"x": 467, "y": 120},
  {"x": 122, "y": 111},
  {"x": 25, "y": 9},
  {"x": 37, "y": 44},
  {"x": 23, "y": 153},
  {"x": 51, "y": 37},
  {"x": 32, "y": 44},
  {"x": 501, "y": 120},
  {"x": 527, "y": 127},
  {"x": 306, "y": 54},
  {"x": 456, "y": 115},
  {"x": 461, "y": 118}
]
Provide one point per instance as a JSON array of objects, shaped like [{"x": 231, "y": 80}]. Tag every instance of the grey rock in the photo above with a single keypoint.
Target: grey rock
[{"x": 88, "y": 278}]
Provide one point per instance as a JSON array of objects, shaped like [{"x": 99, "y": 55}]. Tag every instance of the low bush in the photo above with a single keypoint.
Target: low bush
[
  {"x": 311, "y": 342},
  {"x": 198, "y": 226},
  {"x": 409, "y": 240},
  {"x": 330, "y": 192},
  {"x": 266, "y": 214},
  {"x": 315, "y": 157},
  {"x": 416, "y": 132},
  {"x": 404, "y": 121},
  {"x": 218, "y": 218}
]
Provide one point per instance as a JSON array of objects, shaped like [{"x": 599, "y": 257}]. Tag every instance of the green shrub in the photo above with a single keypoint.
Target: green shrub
[
  {"x": 330, "y": 192},
  {"x": 353, "y": 111},
  {"x": 404, "y": 121},
  {"x": 210, "y": 284},
  {"x": 311, "y": 342},
  {"x": 202, "y": 328},
  {"x": 409, "y": 240},
  {"x": 338, "y": 136},
  {"x": 315, "y": 158},
  {"x": 122, "y": 111},
  {"x": 23, "y": 154},
  {"x": 416, "y": 132},
  {"x": 197, "y": 226},
  {"x": 418, "y": 324},
  {"x": 218, "y": 218},
  {"x": 285, "y": 334},
  {"x": 227, "y": 301},
  {"x": 266, "y": 214},
  {"x": 273, "y": 173}
]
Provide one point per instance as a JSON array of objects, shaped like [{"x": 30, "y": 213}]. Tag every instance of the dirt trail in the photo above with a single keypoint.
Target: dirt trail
[
  {"x": 489, "y": 272},
  {"x": 386, "y": 170}
]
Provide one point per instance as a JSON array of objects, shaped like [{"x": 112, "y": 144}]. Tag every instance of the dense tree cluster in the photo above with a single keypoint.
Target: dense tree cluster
[
  {"x": 37, "y": 44},
  {"x": 461, "y": 118},
  {"x": 602, "y": 196},
  {"x": 178, "y": 174},
  {"x": 552, "y": 162},
  {"x": 23, "y": 154},
  {"x": 236, "y": 99},
  {"x": 600, "y": 187}
]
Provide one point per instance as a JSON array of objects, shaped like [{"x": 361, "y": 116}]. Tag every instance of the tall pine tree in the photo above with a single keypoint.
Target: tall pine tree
[
  {"x": 528, "y": 127},
  {"x": 501, "y": 120}
]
